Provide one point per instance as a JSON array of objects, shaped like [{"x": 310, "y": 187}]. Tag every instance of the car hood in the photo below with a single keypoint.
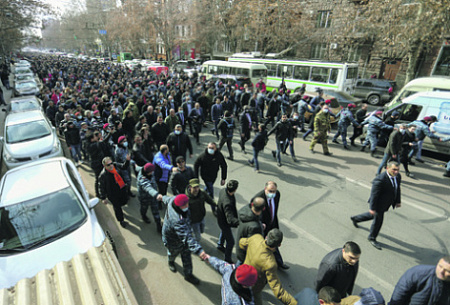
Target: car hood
[
  {"x": 31, "y": 148},
  {"x": 15, "y": 267}
]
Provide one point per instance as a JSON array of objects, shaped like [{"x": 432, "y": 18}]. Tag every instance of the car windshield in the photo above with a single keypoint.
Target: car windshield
[
  {"x": 27, "y": 131},
  {"x": 23, "y": 71},
  {"x": 25, "y": 85},
  {"x": 25, "y": 105},
  {"x": 38, "y": 221},
  {"x": 24, "y": 77}
]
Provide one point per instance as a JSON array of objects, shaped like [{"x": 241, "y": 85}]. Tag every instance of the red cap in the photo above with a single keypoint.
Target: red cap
[
  {"x": 96, "y": 112},
  {"x": 246, "y": 275},
  {"x": 105, "y": 126},
  {"x": 121, "y": 139},
  {"x": 181, "y": 200},
  {"x": 305, "y": 97},
  {"x": 351, "y": 106},
  {"x": 328, "y": 102},
  {"x": 378, "y": 112},
  {"x": 427, "y": 118},
  {"x": 149, "y": 168},
  {"x": 77, "y": 114}
]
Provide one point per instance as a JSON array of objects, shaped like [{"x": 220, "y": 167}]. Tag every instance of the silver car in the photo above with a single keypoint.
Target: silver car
[
  {"x": 46, "y": 217},
  {"x": 28, "y": 136},
  {"x": 25, "y": 88}
]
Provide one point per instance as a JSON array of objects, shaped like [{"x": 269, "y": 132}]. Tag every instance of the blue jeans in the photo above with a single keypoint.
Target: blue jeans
[
  {"x": 417, "y": 150},
  {"x": 280, "y": 147},
  {"x": 291, "y": 148},
  {"x": 226, "y": 237},
  {"x": 198, "y": 228},
  {"x": 209, "y": 188},
  {"x": 255, "y": 158},
  {"x": 75, "y": 151}
]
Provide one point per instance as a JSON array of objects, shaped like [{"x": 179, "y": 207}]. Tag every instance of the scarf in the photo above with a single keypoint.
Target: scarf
[{"x": 117, "y": 177}]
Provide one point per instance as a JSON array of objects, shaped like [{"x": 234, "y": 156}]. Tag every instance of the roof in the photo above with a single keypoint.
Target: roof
[
  {"x": 234, "y": 64},
  {"x": 23, "y": 117},
  {"x": 94, "y": 277},
  {"x": 33, "y": 180}
]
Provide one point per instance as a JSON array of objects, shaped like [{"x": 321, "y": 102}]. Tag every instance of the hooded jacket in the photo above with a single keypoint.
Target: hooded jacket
[{"x": 249, "y": 224}]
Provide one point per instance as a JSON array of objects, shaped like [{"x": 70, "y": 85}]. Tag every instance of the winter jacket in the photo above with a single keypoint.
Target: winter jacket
[
  {"x": 229, "y": 296},
  {"x": 180, "y": 180},
  {"x": 422, "y": 131},
  {"x": 177, "y": 230},
  {"x": 179, "y": 144},
  {"x": 375, "y": 125},
  {"x": 347, "y": 118},
  {"x": 334, "y": 271},
  {"x": 260, "y": 256},
  {"x": 216, "y": 112},
  {"x": 283, "y": 130},
  {"x": 163, "y": 167},
  {"x": 226, "y": 210},
  {"x": 259, "y": 142},
  {"x": 208, "y": 165},
  {"x": 197, "y": 205},
  {"x": 72, "y": 136},
  {"x": 108, "y": 187},
  {"x": 418, "y": 286},
  {"x": 322, "y": 123},
  {"x": 146, "y": 187},
  {"x": 160, "y": 133},
  {"x": 394, "y": 144},
  {"x": 249, "y": 225}
]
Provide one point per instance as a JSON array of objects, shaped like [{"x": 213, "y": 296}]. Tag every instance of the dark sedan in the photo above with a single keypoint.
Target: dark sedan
[{"x": 344, "y": 98}]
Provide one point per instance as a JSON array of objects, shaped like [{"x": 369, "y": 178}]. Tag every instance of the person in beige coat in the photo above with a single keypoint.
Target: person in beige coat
[{"x": 260, "y": 254}]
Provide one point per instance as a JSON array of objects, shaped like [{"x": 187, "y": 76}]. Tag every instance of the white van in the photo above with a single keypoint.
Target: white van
[
  {"x": 422, "y": 84},
  {"x": 420, "y": 105}
]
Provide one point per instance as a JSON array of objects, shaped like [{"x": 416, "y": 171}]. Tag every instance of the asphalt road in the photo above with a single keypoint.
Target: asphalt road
[{"x": 319, "y": 194}]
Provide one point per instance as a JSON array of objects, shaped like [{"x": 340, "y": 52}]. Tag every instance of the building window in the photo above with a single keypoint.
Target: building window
[
  {"x": 318, "y": 50},
  {"x": 354, "y": 54},
  {"x": 323, "y": 19}
]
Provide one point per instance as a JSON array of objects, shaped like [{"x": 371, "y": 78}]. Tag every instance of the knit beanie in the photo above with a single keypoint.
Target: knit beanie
[
  {"x": 246, "y": 275},
  {"x": 181, "y": 200}
]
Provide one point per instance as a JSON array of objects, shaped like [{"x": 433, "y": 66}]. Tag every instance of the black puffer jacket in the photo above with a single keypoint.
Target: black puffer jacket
[
  {"x": 249, "y": 224},
  {"x": 334, "y": 271},
  {"x": 209, "y": 166}
]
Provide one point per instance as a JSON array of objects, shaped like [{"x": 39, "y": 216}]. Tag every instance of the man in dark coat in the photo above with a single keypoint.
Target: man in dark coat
[
  {"x": 227, "y": 218},
  {"x": 97, "y": 150},
  {"x": 112, "y": 187},
  {"x": 179, "y": 143},
  {"x": 384, "y": 194},
  {"x": 245, "y": 127},
  {"x": 283, "y": 132},
  {"x": 393, "y": 147},
  {"x": 249, "y": 223},
  {"x": 339, "y": 269},
  {"x": 208, "y": 164},
  {"x": 269, "y": 216},
  {"x": 180, "y": 179},
  {"x": 424, "y": 284},
  {"x": 197, "y": 199},
  {"x": 159, "y": 132},
  {"x": 226, "y": 127}
]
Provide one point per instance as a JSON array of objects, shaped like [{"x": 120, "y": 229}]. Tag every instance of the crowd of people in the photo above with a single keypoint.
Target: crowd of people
[{"x": 129, "y": 122}]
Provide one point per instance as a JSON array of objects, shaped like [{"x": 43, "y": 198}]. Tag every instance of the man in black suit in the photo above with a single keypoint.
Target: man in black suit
[
  {"x": 181, "y": 118},
  {"x": 384, "y": 194},
  {"x": 269, "y": 216}
]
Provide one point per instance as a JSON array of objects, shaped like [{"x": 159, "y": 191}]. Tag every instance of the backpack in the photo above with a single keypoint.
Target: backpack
[{"x": 230, "y": 128}]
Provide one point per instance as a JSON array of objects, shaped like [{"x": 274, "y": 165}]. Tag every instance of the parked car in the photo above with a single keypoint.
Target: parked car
[
  {"x": 25, "y": 88},
  {"x": 46, "y": 216},
  {"x": 374, "y": 91},
  {"x": 186, "y": 66},
  {"x": 22, "y": 71},
  {"x": 28, "y": 136},
  {"x": 344, "y": 98},
  {"x": 24, "y": 103}
]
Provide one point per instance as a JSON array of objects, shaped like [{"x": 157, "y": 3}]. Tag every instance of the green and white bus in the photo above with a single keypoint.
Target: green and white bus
[
  {"x": 248, "y": 73},
  {"x": 326, "y": 75}
]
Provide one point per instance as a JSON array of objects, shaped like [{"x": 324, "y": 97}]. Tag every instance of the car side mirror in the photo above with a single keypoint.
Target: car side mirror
[
  {"x": 1, "y": 139},
  {"x": 93, "y": 202}
]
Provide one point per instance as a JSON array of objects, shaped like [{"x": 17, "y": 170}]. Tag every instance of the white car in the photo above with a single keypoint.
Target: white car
[
  {"x": 46, "y": 217},
  {"x": 29, "y": 136}
]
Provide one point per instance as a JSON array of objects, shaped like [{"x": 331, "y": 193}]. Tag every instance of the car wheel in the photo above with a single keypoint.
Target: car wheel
[{"x": 373, "y": 99}]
